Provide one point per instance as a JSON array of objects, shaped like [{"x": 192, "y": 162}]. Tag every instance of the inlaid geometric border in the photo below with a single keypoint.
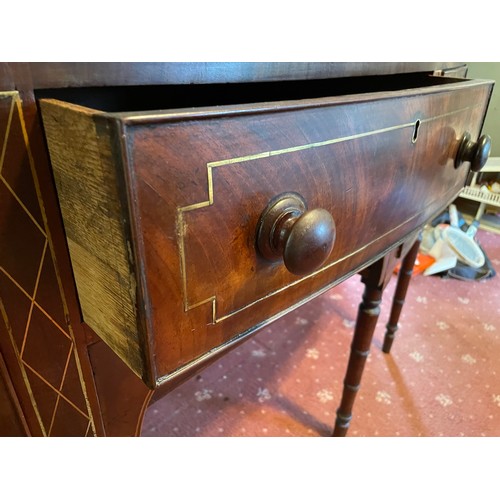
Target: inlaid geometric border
[
  {"x": 27, "y": 369},
  {"x": 181, "y": 211}
]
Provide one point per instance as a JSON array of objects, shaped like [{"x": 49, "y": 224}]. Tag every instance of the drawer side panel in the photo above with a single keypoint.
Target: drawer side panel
[{"x": 95, "y": 215}]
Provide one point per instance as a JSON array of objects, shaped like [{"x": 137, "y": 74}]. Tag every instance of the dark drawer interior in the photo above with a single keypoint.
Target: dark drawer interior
[{"x": 140, "y": 98}]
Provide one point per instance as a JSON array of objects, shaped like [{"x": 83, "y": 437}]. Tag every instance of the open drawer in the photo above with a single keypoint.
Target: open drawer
[{"x": 163, "y": 206}]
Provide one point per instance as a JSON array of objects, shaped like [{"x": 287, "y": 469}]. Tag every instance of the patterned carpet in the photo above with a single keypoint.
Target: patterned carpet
[{"x": 442, "y": 377}]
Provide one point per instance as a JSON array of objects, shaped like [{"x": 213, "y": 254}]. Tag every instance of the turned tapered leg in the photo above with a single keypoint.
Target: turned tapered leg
[
  {"x": 404, "y": 278},
  {"x": 368, "y": 313}
]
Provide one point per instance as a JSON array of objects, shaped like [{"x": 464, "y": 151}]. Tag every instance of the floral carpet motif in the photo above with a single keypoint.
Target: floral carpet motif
[{"x": 442, "y": 377}]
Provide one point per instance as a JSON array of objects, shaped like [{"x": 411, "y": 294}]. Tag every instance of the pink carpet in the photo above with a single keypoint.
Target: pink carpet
[{"x": 442, "y": 377}]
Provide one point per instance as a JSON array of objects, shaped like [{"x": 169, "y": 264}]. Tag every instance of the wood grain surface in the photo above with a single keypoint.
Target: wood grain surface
[
  {"x": 95, "y": 221},
  {"x": 12, "y": 420},
  {"x": 36, "y": 75},
  {"x": 197, "y": 181}
]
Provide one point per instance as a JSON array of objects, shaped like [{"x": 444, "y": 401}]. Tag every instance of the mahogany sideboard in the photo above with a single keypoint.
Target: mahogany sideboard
[{"x": 155, "y": 215}]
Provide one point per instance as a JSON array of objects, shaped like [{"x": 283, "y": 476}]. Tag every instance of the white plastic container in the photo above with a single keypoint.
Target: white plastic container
[{"x": 466, "y": 248}]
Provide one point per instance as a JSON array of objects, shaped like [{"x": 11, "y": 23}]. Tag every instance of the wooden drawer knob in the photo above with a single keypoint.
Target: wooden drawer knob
[
  {"x": 475, "y": 152},
  {"x": 302, "y": 238}
]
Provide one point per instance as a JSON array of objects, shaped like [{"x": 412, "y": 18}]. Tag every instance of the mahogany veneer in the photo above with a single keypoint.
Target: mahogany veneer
[
  {"x": 170, "y": 201},
  {"x": 161, "y": 187}
]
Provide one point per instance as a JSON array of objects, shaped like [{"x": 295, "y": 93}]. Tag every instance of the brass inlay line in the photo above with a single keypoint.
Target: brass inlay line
[
  {"x": 144, "y": 406},
  {"x": 59, "y": 394},
  {"x": 304, "y": 147},
  {"x": 181, "y": 227},
  {"x": 181, "y": 224},
  {"x": 55, "y": 390},
  {"x": 53, "y": 321},
  {"x": 23, "y": 206},
  {"x": 27, "y": 326},
  {"x": 54, "y": 414},
  {"x": 445, "y": 115},
  {"x": 328, "y": 142},
  {"x": 213, "y": 299},
  {"x": 63, "y": 379},
  {"x": 21, "y": 366},
  {"x": 39, "y": 307},
  {"x": 319, "y": 271},
  {"x": 68, "y": 359},
  {"x": 39, "y": 273},
  {"x": 54, "y": 260},
  {"x": 15, "y": 97},
  {"x": 16, "y": 101},
  {"x": 7, "y": 131}
]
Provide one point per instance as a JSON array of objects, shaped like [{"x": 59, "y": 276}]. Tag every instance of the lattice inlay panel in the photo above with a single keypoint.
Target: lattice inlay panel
[{"x": 32, "y": 302}]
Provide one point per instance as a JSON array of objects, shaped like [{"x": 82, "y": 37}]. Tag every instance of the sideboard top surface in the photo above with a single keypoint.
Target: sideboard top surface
[{"x": 33, "y": 75}]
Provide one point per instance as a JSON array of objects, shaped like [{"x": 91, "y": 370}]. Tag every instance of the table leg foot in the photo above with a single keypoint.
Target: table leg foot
[
  {"x": 368, "y": 313},
  {"x": 404, "y": 278}
]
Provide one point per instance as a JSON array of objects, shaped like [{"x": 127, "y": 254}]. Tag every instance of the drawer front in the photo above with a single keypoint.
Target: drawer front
[{"x": 381, "y": 165}]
